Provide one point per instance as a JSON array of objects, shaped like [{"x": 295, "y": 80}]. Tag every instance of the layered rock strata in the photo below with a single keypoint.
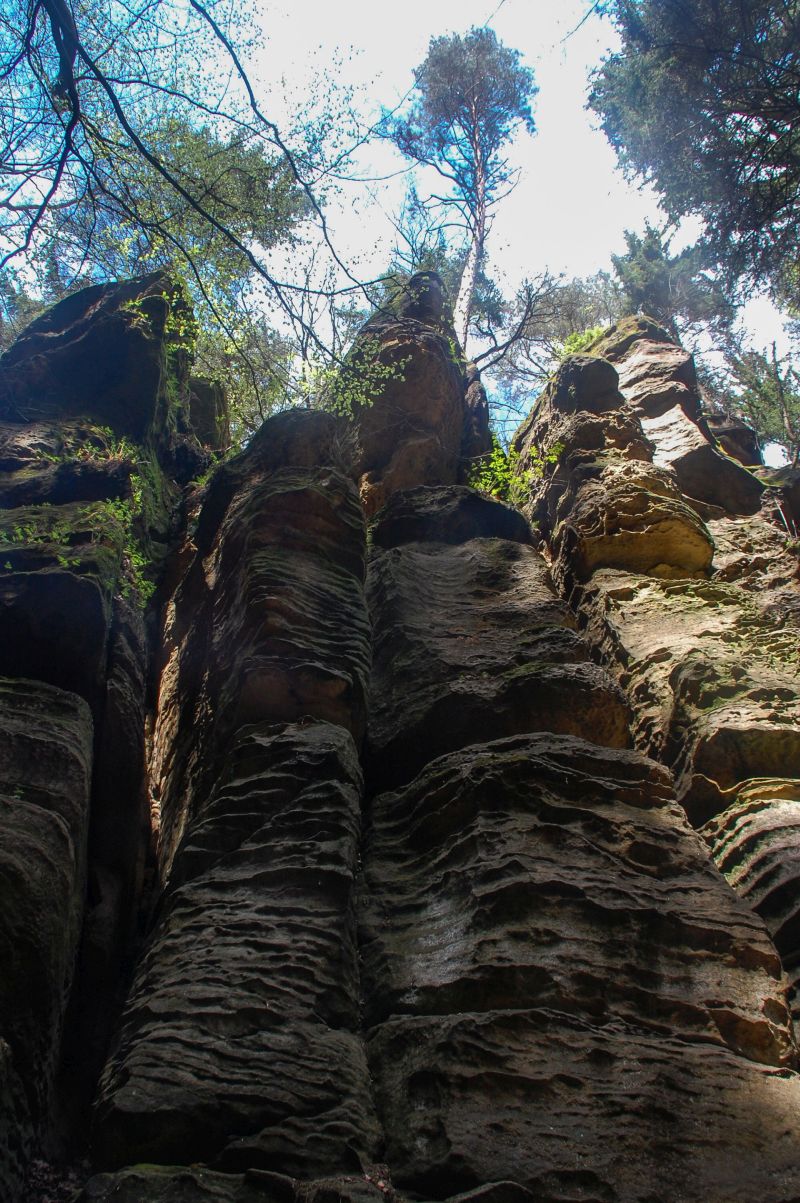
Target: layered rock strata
[
  {"x": 470, "y": 640},
  {"x": 45, "y": 782},
  {"x": 542, "y": 931},
  {"x": 239, "y": 1044},
  {"x": 413, "y": 425},
  {"x": 93, "y": 433},
  {"x": 563, "y": 990},
  {"x": 677, "y": 563},
  {"x": 430, "y": 919}
]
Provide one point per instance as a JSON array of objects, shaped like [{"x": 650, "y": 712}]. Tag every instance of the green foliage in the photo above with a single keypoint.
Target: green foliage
[
  {"x": 17, "y": 308},
  {"x": 499, "y": 473},
  {"x": 98, "y": 444},
  {"x": 120, "y": 519},
  {"x": 63, "y": 532},
  {"x": 134, "y": 142},
  {"x": 254, "y": 365},
  {"x": 121, "y": 525},
  {"x": 43, "y": 525},
  {"x": 676, "y": 290},
  {"x": 103, "y": 445},
  {"x": 471, "y": 95},
  {"x": 135, "y": 127},
  {"x": 579, "y": 341},
  {"x": 244, "y": 189},
  {"x": 763, "y": 390},
  {"x": 703, "y": 100},
  {"x": 357, "y": 384},
  {"x": 545, "y": 313}
]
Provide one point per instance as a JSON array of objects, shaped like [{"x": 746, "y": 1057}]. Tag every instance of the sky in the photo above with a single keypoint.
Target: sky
[{"x": 571, "y": 206}]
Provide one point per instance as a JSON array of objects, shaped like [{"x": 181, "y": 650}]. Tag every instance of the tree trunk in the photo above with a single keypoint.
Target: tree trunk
[
  {"x": 789, "y": 426},
  {"x": 466, "y": 289}
]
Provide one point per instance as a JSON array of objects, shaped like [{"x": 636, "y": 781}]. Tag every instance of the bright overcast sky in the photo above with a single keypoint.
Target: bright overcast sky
[{"x": 571, "y": 206}]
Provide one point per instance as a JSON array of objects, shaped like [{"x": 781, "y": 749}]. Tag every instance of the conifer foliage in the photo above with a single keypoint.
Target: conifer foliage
[
  {"x": 472, "y": 94},
  {"x": 703, "y": 100}
]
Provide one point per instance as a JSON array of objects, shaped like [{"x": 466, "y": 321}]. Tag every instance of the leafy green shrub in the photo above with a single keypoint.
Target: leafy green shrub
[
  {"x": 500, "y": 475},
  {"x": 579, "y": 340},
  {"x": 115, "y": 521}
]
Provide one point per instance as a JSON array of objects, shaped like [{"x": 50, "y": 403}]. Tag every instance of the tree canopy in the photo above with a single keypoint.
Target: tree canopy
[
  {"x": 472, "y": 94},
  {"x": 760, "y": 387},
  {"x": 99, "y": 106},
  {"x": 677, "y": 290},
  {"x": 703, "y": 100},
  {"x": 132, "y": 138}
]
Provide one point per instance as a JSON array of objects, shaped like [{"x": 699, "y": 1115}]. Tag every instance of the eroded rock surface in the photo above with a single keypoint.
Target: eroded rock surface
[
  {"x": 268, "y": 622},
  {"x": 95, "y": 441},
  {"x": 239, "y": 1045},
  {"x": 98, "y": 354},
  {"x": 559, "y": 978},
  {"x": 507, "y": 969},
  {"x": 183, "y": 1184},
  {"x": 470, "y": 639},
  {"x": 45, "y": 782},
  {"x": 415, "y": 421},
  {"x": 704, "y": 646},
  {"x": 252, "y": 963}
]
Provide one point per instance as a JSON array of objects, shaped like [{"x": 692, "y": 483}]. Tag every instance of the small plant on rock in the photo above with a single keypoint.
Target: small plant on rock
[
  {"x": 499, "y": 473},
  {"x": 579, "y": 341}
]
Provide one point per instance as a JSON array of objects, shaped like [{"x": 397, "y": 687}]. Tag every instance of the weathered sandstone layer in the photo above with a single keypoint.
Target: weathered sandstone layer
[
  {"x": 382, "y": 852},
  {"x": 678, "y": 563}
]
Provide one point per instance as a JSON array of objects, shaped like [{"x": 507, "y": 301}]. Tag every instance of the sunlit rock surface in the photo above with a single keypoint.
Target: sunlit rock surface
[
  {"x": 707, "y": 652},
  {"x": 412, "y": 415}
]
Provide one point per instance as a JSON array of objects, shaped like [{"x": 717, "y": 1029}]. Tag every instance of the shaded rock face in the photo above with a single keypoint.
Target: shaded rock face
[
  {"x": 261, "y": 711},
  {"x": 440, "y": 806},
  {"x": 736, "y": 438},
  {"x": 92, "y": 421},
  {"x": 412, "y": 429},
  {"x": 471, "y": 642},
  {"x": 45, "y": 781},
  {"x": 98, "y": 354},
  {"x": 268, "y": 622},
  {"x": 253, "y": 968}
]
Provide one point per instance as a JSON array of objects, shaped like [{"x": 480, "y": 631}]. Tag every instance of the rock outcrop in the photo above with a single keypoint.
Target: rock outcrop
[
  {"x": 403, "y": 828},
  {"x": 412, "y": 421},
  {"x": 252, "y": 964},
  {"x": 93, "y": 433},
  {"x": 45, "y": 781},
  {"x": 698, "y": 620}
]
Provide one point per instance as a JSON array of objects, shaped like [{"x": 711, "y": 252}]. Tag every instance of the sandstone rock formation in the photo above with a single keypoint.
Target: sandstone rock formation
[
  {"x": 698, "y": 620},
  {"x": 441, "y": 809},
  {"x": 92, "y": 430},
  {"x": 412, "y": 420},
  {"x": 45, "y": 778}
]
